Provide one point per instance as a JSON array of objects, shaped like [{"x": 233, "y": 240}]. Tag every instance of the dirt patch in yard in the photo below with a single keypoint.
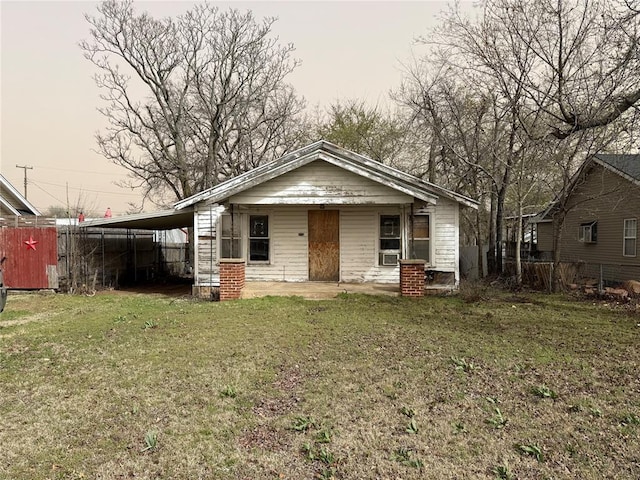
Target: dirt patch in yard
[
  {"x": 288, "y": 379},
  {"x": 265, "y": 437},
  {"x": 38, "y": 317},
  {"x": 166, "y": 289},
  {"x": 275, "y": 407}
]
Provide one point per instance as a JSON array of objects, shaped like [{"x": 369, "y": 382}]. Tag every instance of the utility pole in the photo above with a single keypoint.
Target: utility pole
[{"x": 25, "y": 168}]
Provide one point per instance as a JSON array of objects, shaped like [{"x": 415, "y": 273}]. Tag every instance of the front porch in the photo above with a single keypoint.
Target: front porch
[
  {"x": 233, "y": 284},
  {"x": 316, "y": 290}
]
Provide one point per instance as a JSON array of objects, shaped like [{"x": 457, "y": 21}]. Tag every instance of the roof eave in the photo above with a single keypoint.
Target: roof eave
[
  {"x": 615, "y": 170},
  {"x": 323, "y": 150},
  {"x": 10, "y": 207},
  {"x": 130, "y": 221},
  {"x": 399, "y": 174},
  {"x": 18, "y": 196},
  {"x": 218, "y": 192}
]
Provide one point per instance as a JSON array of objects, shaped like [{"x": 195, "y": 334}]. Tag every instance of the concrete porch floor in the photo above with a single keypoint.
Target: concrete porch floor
[{"x": 316, "y": 290}]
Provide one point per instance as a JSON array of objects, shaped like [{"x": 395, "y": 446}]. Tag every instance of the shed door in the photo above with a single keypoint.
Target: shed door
[{"x": 324, "y": 245}]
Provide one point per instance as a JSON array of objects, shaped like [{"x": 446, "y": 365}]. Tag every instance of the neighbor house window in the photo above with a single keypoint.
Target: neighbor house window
[
  {"x": 258, "y": 238},
  {"x": 420, "y": 246},
  {"x": 390, "y": 235},
  {"x": 630, "y": 236},
  {"x": 230, "y": 237},
  {"x": 588, "y": 232}
]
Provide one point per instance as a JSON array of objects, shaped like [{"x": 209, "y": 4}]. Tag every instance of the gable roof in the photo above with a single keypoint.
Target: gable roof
[
  {"x": 625, "y": 165},
  {"x": 340, "y": 157},
  {"x": 13, "y": 202}
]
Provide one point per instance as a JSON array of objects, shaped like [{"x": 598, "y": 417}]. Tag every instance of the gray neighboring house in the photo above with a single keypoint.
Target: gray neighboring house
[{"x": 601, "y": 226}]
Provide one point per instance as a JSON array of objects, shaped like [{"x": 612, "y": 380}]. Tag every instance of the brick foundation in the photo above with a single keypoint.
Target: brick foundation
[
  {"x": 411, "y": 278},
  {"x": 231, "y": 278}
]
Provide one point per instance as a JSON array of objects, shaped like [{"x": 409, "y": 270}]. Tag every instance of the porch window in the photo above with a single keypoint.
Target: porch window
[
  {"x": 630, "y": 237},
  {"x": 421, "y": 238},
  {"x": 588, "y": 232},
  {"x": 390, "y": 234},
  {"x": 258, "y": 238},
  {"x": 230, "y": 237}
]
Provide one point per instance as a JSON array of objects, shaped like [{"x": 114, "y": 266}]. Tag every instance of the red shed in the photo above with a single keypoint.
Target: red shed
[{"x": 32, "y": 257}]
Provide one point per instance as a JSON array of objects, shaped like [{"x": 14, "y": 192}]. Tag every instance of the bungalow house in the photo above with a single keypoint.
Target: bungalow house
[
  {"x": 600, "y": 229},
  {"x": 323, "y": 213}
]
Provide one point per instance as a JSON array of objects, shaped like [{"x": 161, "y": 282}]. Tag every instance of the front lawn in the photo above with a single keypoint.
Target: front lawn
[{"x": 142, "y": 386}]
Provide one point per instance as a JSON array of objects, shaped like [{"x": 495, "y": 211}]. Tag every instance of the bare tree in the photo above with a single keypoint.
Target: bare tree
[
  {"x": 477, "y": 135},
  {"x": 370, "y": 131},
  {"x": 545, "y": 71},
  {"x": 576, "y": 61},
  {"x": 191, "y": 101}
]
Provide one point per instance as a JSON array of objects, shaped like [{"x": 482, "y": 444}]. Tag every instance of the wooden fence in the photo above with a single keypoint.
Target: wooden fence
[
  {"x": 31, "y": 256},
  {"x": 26, "y": 221},
  {"x": 73, "y": 258}
]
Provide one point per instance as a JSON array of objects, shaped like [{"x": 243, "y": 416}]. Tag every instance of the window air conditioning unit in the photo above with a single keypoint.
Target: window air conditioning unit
[{"x": 390, "y": 258}]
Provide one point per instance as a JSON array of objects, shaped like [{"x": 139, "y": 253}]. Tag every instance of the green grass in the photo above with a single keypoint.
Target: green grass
[{"x": 123, "y": 385}]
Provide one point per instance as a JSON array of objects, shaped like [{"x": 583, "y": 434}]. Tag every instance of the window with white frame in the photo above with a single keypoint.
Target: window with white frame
[
  {"x": 588, "y": 232},
  {"x": 390, "y": 239},
  {"x": 230, "y": 236},
  {"x": 258, "y": 238},
  {"x": 630, "y": 237},
  {"x": 421, "y": 238}
]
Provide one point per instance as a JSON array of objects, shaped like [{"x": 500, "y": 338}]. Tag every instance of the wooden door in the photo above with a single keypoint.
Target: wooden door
[{"x": 324, "y": 245}]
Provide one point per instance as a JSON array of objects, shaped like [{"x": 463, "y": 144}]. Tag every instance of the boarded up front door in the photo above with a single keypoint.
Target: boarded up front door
[{"x": 324, "y": 245}]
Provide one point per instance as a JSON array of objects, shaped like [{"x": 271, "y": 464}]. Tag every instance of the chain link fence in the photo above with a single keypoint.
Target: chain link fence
[{"x": 539, "y": 274}]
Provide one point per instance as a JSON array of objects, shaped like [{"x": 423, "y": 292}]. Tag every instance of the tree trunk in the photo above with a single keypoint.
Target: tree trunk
[
  {"x": 491, "y": 253},
  {"x": 499, "y": 222},
  {"x": 558, "y": 224},
  {"x": 518, "y": 246},
  {"x": 480, "y": 244}
]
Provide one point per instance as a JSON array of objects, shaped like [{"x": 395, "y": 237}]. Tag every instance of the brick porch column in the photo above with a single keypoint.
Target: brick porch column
[
  {"x": 231, "y": 278},
  {"x": 411, "y": 278}
]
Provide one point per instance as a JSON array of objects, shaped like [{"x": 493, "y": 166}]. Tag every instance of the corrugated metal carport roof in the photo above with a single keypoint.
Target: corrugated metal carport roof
[{"x": 163, "y": 220}]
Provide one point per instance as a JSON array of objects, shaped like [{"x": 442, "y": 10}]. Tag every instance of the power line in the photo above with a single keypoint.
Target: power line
[
  {"x": 89, "y": 190},
  {"x": 38, "y": 186},
  {"x": 82, "y": 171},
  {"x": 61, "y": 202}
]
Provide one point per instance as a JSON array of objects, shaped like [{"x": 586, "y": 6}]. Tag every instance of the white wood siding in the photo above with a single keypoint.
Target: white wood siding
[
  {"x": 446, "y": 247},
  {"x": 359, "y": 237},
  {"x": 206, "y": 270},
  {"x": 318, "y": 183},
  {"x": 359, "y": 232},
  {"x": 288, "y": 245}
]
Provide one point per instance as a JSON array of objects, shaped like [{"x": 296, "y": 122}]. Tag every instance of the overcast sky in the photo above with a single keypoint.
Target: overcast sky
[{"x": 349, "y": 50}]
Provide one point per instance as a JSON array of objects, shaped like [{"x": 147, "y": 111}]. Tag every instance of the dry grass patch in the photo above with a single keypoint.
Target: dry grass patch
[{"x": 124, "y": 386}]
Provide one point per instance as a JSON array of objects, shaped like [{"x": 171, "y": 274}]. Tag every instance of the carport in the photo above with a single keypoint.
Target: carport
[{"x": 126, "y": 247}]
